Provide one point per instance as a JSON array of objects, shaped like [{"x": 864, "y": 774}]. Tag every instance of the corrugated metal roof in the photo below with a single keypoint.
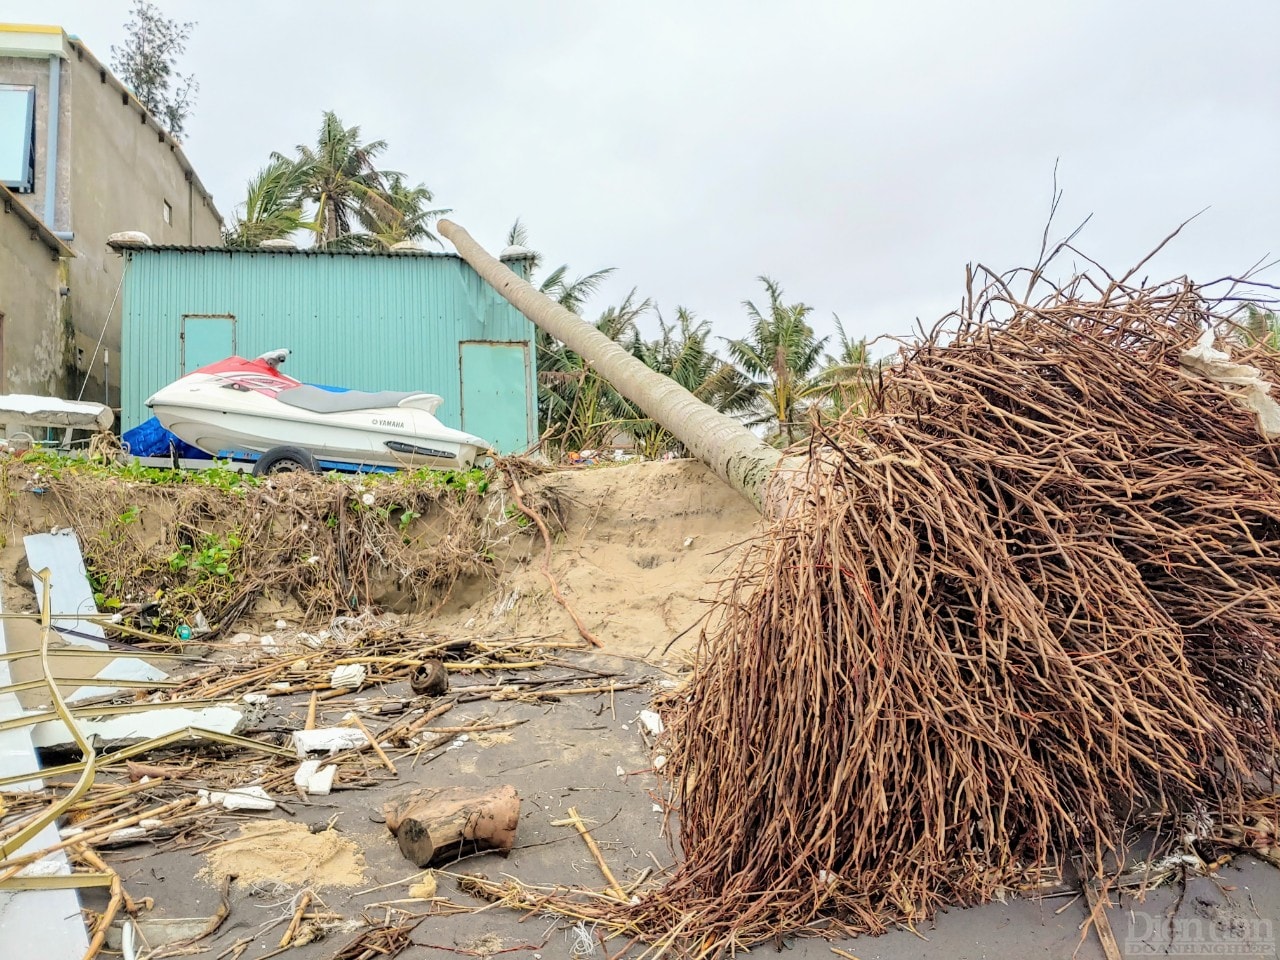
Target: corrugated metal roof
[{"x": 134, "y": 248}]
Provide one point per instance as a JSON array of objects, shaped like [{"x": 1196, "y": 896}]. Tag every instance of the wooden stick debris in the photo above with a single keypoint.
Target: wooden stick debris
[
  {"x": 304, "y": 901},
  {"x": 581, "y": 827},
  {"x": 374, "y": 745}
]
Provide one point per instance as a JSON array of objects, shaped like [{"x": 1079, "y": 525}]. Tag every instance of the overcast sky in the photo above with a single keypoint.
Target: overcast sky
[{"x": 860, "y": 153}]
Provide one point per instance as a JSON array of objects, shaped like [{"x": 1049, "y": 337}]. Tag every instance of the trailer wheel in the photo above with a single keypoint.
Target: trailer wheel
[{"x": 285, "y": 460}]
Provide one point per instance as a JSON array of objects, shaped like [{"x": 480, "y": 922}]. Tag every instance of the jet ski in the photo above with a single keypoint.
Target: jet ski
[{"x": 248, "y": 409}]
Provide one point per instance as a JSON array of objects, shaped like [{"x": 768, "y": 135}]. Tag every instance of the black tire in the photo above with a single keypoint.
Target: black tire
[{"x": 285, "y": 460}]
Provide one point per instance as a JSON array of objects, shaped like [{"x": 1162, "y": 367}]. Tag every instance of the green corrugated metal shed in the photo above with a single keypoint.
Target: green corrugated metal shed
[{"x": 399, "y": 320}]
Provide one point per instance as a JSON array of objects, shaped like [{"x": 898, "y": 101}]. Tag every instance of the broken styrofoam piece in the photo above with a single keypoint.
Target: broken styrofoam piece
[
  {"x": 1244, "y": 382},
  {"x": 46, "y": 868},
  {"x": 651, "y": 722},
  {"x": 659, "y": 762},
  {"x": 348, "y": 675},
  {"x": 332, "y": 739},
  {"x": 306, "y": 770},
  {"x": 141, "y": 725},
  {"x": 252, "y": 797},
  {"x": 125, "y": 834},
  {"x": 313, "y": 779}
]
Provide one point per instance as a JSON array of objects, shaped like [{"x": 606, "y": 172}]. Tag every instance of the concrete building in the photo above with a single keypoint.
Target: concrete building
[
  {"x": 34, "y": 313},
  {"x": 382, "y": 320},
  {"x": 80, "y": 153}
]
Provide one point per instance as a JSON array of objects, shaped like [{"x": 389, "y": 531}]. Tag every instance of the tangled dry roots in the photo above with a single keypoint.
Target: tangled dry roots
[{"x": 1031, "y": 600}]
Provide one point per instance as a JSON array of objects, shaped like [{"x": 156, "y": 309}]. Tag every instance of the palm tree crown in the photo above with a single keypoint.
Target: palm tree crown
[
  {"x": 780, "y": 356},
  {"x": 352, "y": 201}
]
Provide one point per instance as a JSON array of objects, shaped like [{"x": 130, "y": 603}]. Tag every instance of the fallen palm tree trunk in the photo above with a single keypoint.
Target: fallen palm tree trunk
[
  {"x": 735, "y": 454},
  {"x": 1029, "y": 601}
]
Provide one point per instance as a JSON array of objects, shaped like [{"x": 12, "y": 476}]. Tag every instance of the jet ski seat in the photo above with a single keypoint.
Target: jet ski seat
[{"x": 316, "y": 400}]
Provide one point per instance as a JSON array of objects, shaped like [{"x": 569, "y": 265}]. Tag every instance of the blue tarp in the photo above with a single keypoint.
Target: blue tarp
[{"x": 149, "y": 439}]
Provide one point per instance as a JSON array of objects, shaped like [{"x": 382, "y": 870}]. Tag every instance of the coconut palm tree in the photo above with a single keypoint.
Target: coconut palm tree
[
  {"x": 578, "y": 408},
  {"x": 682, "y": 352},
  {"x": 738, "y": 456},
  {"x": 849, "y": 375},
  {"x": 781, "y": 356},
  {"x": 341, "y": 177},
  {"x": 1260, "y": 326},
  {"x": 572, "y": 295},
  {"x": 413, "y": 216},
  {"x": 272, "y": 207},
  {"x": 564, "y": 418}
]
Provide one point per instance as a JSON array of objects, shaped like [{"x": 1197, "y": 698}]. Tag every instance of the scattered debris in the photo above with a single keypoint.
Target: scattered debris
[
  {"x": 252, "y": 797},
  {"x": 431, "y": 679},
  {"x": 348, "y": 675},
  {"x": 651, "y": 722},
  {"x": 330, "y": 739},
  {"x": 313, "y": 779},
  {"x": 425, "y": 888}
]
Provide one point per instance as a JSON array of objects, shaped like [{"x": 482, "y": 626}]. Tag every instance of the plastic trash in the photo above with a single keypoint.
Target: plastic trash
[{"x": 651, "y": 722}]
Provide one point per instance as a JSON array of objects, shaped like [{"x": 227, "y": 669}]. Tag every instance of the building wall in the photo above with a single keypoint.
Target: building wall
[
  {"x": 116, "y": 169},
  {"x": 33, "y": 337},
  {"x": 364, "y": 321},
  {"x": 122, "y": 172}
]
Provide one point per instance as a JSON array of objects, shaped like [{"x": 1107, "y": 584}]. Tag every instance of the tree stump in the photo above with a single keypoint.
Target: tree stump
[{"x": 432, "y": 824}]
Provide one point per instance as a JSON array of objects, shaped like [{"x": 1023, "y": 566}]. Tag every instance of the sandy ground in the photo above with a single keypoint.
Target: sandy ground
[
  {"x": 638, "y": 555},
  {"x": 568, "y": 755}
]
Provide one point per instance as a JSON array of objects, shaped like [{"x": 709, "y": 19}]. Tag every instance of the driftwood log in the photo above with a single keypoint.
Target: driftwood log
[{"x": 436, "y": 823}]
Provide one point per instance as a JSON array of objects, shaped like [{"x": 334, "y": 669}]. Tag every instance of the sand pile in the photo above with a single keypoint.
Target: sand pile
[
  {"x": 287, "y": 853},
  {"x": 639, "y": 557}
]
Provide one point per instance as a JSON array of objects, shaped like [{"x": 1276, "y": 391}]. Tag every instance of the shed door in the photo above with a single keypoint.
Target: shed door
[
  {"x": 206, "y": 339},
  {"x": 495, "y": 393}
]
